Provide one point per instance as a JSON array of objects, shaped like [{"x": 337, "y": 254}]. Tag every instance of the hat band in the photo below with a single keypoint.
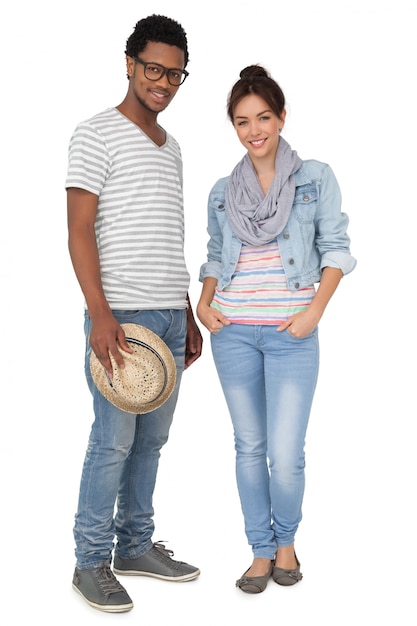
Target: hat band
[{"x": 162, "y": 362}]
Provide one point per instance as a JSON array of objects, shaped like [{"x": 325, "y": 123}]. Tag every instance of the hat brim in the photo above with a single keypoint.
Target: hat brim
[{"x": 148, "y": 378}]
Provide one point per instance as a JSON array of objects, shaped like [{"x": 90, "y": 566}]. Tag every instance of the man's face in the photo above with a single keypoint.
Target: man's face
[{"x": 155, "y": 95}]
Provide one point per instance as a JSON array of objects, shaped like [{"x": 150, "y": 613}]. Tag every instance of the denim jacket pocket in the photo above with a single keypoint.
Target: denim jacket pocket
[
  {"x": 218, "y": 204},
  {"x": 219, "y": 212},
  {"x": 305, "y": 203}
]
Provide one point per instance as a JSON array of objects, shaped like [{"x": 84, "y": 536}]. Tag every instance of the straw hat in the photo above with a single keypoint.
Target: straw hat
[{"x": 149, "y": 375}]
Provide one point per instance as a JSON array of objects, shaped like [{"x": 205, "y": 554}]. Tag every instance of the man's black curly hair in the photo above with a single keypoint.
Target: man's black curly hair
[{"x": 160, "y": 29}]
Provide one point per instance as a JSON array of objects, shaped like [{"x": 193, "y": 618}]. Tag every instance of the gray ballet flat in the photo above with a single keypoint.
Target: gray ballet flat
[
  {"x": 287, "y": 577},
  {"x": 254, "y": 584}
]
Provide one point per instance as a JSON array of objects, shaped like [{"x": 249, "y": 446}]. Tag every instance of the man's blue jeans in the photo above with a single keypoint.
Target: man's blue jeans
[
  {"x": 268, "y": 379},
  {"x": 122, "y": 458}
]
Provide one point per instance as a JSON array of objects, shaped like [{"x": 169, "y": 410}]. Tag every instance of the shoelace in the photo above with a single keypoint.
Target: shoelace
[
  {"x": 167, "y": 554},
  {"x": 159, "y": 545},
  {"x": 107, "y": 580}
]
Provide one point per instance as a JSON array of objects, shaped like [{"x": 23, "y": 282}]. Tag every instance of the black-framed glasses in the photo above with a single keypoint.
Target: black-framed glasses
[{"x": 155, "y": 71}]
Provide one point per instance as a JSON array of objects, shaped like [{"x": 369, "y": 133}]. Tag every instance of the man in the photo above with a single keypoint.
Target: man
[{"x": 126, "y": 241}]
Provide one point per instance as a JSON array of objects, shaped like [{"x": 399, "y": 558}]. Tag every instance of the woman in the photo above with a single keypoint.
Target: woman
[{"x": 276, "y": 229}]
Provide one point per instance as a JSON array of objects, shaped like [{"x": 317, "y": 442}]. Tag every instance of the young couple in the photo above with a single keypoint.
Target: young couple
[{"x": 276, "y": 230}]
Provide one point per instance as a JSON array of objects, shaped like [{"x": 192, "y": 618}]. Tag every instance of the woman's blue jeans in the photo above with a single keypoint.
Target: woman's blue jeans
[
  {"x": 121, "y": 462},
  {"x": 268, "y": 379}
]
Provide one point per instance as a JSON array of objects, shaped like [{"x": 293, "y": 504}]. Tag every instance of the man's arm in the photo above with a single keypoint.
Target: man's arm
[
  {"x": 194, "y": 341},
  {"x": 106, "y": 332}
]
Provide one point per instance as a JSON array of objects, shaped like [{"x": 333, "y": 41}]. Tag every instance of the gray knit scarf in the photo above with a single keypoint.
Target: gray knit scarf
[{"x": 256, "y": 218}]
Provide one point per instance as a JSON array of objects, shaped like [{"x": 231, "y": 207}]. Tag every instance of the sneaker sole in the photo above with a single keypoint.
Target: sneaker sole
[
  {"x": 174, "y": 579},
  {"x": 107, "y": 608}
]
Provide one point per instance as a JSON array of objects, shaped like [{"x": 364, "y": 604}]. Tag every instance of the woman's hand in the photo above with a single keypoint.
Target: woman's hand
[
  {"x": 300, "y": 325},
  {"x": 212, "y": 319}
]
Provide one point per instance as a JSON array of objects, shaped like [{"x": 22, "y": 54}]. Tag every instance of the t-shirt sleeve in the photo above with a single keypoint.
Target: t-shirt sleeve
[{"x": 88, "y": 159}]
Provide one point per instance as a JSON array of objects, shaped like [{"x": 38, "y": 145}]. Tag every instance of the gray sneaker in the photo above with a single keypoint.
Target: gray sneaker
[
  {"x": 157, "y": 562},
  {"x": 101, "y": 589}
]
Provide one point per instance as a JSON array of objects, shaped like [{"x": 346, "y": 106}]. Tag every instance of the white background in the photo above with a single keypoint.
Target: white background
[{"x": 348, "y": 71}]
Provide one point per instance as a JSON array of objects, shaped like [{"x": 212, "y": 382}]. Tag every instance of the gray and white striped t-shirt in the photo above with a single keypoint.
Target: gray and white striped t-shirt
[{"x": 140, "y": 213}]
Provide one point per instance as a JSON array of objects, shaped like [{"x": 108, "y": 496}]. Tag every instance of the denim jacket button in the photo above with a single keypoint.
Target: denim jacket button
[
  {"x": 306, "y": 198},
  {"x": 286, "y": 235},
  {"x": 296, "y": 285},
  {"x": 291, "y": 261}
]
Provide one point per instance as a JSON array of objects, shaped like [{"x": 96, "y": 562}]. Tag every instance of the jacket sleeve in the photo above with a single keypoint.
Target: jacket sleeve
[
  {"x": 215, "y": 218},
  {"x": 332, "y": 240}
]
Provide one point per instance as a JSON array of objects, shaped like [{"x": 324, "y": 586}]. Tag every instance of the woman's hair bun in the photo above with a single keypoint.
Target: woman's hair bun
[{"x": 254, "y": 71}]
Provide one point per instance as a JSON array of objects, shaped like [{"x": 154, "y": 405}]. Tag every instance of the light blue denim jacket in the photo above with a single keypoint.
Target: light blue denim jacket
[{"x": 315, "y": 235}]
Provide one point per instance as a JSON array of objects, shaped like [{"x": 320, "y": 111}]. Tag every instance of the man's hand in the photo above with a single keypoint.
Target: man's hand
[{"x": 105, "y": 338}]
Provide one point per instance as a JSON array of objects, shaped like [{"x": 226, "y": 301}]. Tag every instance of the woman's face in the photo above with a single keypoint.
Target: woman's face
[{"x": 257, "y": 126}]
